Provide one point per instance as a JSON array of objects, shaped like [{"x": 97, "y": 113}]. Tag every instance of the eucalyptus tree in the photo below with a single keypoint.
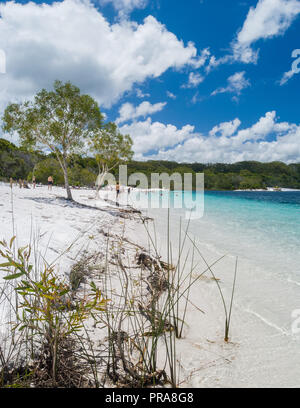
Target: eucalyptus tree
[
  {"x": 111, "y": 148},
  {"x": 61, "y": 120}
]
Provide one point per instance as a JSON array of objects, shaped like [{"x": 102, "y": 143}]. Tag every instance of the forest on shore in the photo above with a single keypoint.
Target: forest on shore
[{"x": 17, "y": 162}]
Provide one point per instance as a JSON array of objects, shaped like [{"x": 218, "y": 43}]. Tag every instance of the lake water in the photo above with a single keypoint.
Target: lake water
[{"x": 262, "y": 229}]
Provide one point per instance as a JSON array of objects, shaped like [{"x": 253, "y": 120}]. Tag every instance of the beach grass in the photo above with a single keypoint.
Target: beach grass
[{"x": 127, "y": 300}]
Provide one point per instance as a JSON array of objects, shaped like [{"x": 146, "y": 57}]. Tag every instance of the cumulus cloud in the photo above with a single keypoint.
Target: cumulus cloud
[
  {"x": 266, "y": 140},
  {"x": 200, "y": 61},
  {"x": 148, "y": 135},
  {"x": 141, "y": 94},
  {"x": 268, "y": 19},
  {"x": 171, "y": 95},
  {"x": 214, "y": 62},
  {"x": 194, "y": 80},
  {"x": 129, "y": 112},
  {"x": 124, "y": 7},
  {"x": 71, "y": 40},
  {"x": 226, "y": 128},
  {"x": 236, "y": 83}
]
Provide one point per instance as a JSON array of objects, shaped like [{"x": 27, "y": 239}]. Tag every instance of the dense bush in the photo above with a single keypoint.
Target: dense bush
[
  {"x": 78, "y": 176},
  {"x": 17, "y": 163}
]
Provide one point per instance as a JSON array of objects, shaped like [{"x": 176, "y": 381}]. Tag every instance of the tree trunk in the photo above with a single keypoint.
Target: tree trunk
[
  {"x": 99, "y": 182},
  {"x": 67, "y": 186}
]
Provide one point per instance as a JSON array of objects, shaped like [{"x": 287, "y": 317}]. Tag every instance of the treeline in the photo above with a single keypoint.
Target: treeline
[
  {"x": 219, "y": 176},
  {"x": 18, "y": 163},
  {"x": 21, "y": 164}
]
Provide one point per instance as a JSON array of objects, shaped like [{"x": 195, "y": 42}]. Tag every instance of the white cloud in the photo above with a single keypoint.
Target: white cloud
[
  {"x": 196, "y": 98},
  {"x": 2, "y": 62},
  {"x": 171, "y": 95},
  {"x": 150, "y": 135},
  {"x": 268, "y": 19},
  {"x": 194, "y": 80},
  {"x": 236, "y": 83},
  {"x": 226, "y": 128},
  {"x": 214, "y": 62},
  {"x": 266, "y": 140},
  {"x": 129, "y": 112},
  {"x": 141, "y": 94},
  {"x": 125, "y": 6},
  {"x": 198, "y": 62},
  {"x": 71, "y": 40}
]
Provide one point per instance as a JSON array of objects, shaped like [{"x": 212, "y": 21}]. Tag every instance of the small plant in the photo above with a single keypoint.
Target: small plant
[
  {"x": 78, "y": 273},
  {"x": 46, "y": 311},
  {"x": 226, "y": 312}
]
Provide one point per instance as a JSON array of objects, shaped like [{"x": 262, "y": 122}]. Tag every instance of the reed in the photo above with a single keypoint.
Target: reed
[{"x": 138, "y": 300}]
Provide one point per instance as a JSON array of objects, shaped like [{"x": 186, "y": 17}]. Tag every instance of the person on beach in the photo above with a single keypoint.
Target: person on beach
[
  {"x": 20, "y": 183},
  {"x": 50, "y": 183},
  {"x": 25, "y": 184},
  {"x": 11, "y": 182},
  {"x": 118, "y": 189},
  {"x": 33, "y": 181}
]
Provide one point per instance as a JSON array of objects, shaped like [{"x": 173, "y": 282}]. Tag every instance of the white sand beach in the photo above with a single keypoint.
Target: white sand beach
[{"x": 260, "y": 353}]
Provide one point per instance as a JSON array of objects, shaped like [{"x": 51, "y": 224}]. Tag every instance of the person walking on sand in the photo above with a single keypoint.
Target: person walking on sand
[
  {"x": 11, "y": 182},
  {"x": 117, "y": 191},
  {"x": 50, "y": 183},
  {"x": 33, "y": 181},
  {"x": 20, "y": 183}
]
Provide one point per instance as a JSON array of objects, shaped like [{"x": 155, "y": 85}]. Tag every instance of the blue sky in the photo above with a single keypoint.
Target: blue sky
[{"x": 206, "y": 81}]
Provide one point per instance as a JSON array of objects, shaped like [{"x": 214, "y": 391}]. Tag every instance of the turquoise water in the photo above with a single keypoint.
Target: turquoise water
[
  {"x": 262, "y": 226},
  {"x": 262, "y": 229}
]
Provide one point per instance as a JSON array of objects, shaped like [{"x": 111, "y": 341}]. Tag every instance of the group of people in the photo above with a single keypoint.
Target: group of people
[{"x": 24, "y": 183}]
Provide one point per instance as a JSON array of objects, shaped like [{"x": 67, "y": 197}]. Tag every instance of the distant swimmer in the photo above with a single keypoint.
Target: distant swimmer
[{"x": 50, "y": 183}]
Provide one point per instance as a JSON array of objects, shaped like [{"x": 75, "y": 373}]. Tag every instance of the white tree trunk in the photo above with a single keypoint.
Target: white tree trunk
[
  {"x": 66, "y": 177},
  {"x": 99, "y": 182}
]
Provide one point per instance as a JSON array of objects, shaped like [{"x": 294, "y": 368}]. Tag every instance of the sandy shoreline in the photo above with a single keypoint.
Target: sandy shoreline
[{"x": 256, "y": 352}]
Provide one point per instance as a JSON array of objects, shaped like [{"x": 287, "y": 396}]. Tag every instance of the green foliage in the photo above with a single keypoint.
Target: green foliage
[
  {"x": 82, "y": 171},
  {"x": 15, "y": 162},
  {"x": 221, "y": 176},
  {"x": 111, "y": 147},
  {"x": 81, "y": 177},
  {"x": 6, "y": 146},
  {"x": 61, "y": 120},
  {"x": 49, "y": 167},
  {"x": 46, "y": 309},
  {"x": 78, "y": 175}
]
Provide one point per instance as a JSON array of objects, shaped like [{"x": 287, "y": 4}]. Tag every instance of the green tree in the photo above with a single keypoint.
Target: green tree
[
  {"x": 46, "y": 167},
  {"x": 60, "y": 120},
  {"x": 111, "y": 148}
]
